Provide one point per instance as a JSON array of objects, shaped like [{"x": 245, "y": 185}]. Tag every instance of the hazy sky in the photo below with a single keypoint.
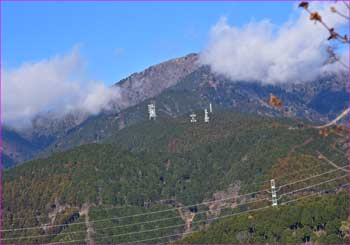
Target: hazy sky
[{"x": 119, "y": 38}]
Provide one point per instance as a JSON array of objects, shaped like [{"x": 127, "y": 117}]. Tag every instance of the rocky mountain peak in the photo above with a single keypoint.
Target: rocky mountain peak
[{"x": 155, "y": 79}]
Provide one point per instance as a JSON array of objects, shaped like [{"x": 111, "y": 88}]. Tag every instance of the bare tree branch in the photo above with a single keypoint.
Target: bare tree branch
[
  {"x": 346, "y": 4},
  {"x": 315, "y": 16},
  {"x": 334, "y": 10},
  {"x": 334, "y": 58}
]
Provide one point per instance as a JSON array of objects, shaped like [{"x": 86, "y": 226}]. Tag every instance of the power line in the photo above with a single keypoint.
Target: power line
[
  {"x": 170, "y": 199},
  {"x": 131, "y": 233},
  {"x": 185, "y": 233},
  {"x": 132, "y": 224},
  {"x": 295, "y": 172},
  {"x": 262, "y": 182},
  {"x": 311, "y": 177},
  {"x": 112, "y": 208},
  {"x": 173, "y": 226},
  {"x": 201, "y": 212},
  {"x": 176, "y": 216},
  {"x": 324, "y": 182},
  {"x": 313, "y": 194},
  {"x": 136, "y": 215},
  {"x": 287, "y": 175},
  {"x": 159, "y": 211}
]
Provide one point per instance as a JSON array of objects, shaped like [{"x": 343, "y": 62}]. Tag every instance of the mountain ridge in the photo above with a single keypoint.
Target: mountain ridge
[
  {"x": 193, "y": 86},
  {"x": 48, "y": 127}
]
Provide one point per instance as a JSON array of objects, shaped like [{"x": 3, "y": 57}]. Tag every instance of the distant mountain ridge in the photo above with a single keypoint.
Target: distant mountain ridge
[
  {"x": 180, "y": 86},
  {"x": 47, "y": 128},
  {"x": 15, "y": 148}
]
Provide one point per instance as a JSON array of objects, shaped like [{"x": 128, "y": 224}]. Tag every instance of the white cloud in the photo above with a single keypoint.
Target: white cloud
[
  {"x": 98, "y": 97},
  {"x": 55, "y": 85},
  {"x": 260, "y": 51}
]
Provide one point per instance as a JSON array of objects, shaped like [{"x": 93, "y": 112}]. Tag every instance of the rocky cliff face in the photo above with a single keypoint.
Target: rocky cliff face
[{"x": 155, "y": 79}]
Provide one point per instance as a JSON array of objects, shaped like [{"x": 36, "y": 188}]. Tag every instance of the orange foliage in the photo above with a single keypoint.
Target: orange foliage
[
  {"x": 324, "y": 132},
  {"x": 315, "y": 16},
  {"x": 274, "y": 101}
]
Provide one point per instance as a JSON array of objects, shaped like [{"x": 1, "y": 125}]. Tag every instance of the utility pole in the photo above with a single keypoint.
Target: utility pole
[
  {"x": 206, "y": 117},
  {"x": 273, "y": 193}
]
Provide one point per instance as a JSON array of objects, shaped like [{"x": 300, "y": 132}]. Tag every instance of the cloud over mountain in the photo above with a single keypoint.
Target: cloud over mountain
[
  {"x": 261, "y": 51},
  {"x": 54, "y": 84}
]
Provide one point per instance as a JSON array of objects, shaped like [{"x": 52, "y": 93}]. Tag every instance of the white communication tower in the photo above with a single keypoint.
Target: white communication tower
[
  {"x": 206, "y": 117},
  {"x": 152, "y": 111},
  {"x": 273, "y": 193},
  {"x": 210, "y": 108},
  {"x": 193, "y": 118}
]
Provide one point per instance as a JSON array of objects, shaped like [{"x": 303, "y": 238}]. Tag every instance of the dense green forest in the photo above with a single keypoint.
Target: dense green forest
[
  {"x": 323, "y": 220},
  {"x": 168, "y": 167}
]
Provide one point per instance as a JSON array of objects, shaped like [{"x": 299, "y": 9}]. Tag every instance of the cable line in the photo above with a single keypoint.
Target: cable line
[
  {"x": 161, "y": 211},
  {"x": 313, "y": 176},
  {"x": 151, "y": 221},
  {"x": 190, "y": 232},
  {"x": 135, "y": 215},
  {"x": 132, "y": 224}
]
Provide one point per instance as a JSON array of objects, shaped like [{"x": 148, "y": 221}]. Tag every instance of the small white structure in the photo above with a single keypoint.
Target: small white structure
[
  {"x": 210, "y": 108},
  {"x": 152, "y": 111},
  {"x": 193, "y": 118},
  {"x": 206, "y": 117},
  {"x": 273, "y": 193}
]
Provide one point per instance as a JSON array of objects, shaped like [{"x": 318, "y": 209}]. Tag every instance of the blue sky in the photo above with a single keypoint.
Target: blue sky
[{"x": 119, "y": 38}]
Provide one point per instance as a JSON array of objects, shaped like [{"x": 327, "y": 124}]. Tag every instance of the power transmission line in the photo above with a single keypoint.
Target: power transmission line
[
  {"x": 173, "y": 226},
  {"x": 159, "y": 211},
  {"x": 190, "y": 232},
  {"x": 199, "y": 221},
  {"x": 311, "y": 177},
  {"x": 175, "y": 216},
  {"x": 136, "y": 215},
  {"x": 324, "y": 182},
  {"x": 125, "y": 225},
  {"x": 110, "y": 208}
]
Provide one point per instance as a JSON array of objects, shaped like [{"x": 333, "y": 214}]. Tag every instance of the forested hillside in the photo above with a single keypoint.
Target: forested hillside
[
  {"x": 180, "y": 175},
  {"x": 321, "y": 220}
]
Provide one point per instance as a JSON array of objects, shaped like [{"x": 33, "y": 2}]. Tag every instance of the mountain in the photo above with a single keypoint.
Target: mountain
[
  {"x": 155, "y": 79},
  {"x": 20, "y": 145},
  {"x": 15, "y": 147},
  {"x": 169, "y": 167},
  {"x": 48, "y": 127},
  {"x": 200, "y": 88},
  {"x": 181, "y": 86}
]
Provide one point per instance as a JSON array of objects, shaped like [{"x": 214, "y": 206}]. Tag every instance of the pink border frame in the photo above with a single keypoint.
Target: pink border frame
[{"x": 348, "y": 81}]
